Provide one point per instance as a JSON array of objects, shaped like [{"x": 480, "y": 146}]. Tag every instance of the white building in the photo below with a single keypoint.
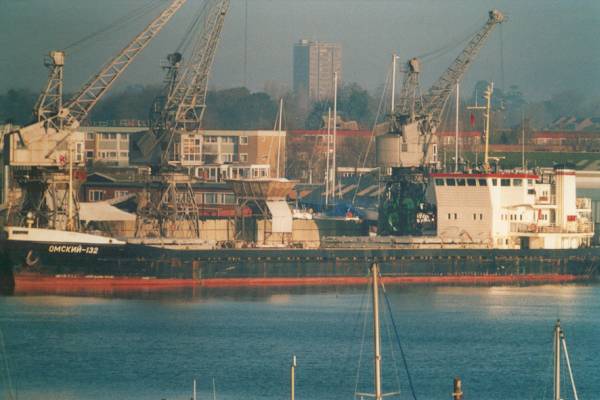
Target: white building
[{"x": 513, "y": 210}]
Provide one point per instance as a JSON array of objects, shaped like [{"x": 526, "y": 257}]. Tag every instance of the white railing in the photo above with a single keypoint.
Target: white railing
[{"x": 583, "y": 203}]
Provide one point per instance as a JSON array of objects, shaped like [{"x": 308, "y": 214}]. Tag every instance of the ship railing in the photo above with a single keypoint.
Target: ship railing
[
  {"x": 585, "y": 227},
  {"x": 545, "y": 199},
  {"x": 583, "y": 203},
  {"x": 520, "y": 227}
]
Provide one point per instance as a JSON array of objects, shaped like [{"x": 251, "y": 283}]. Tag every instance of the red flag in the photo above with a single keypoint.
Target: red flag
[{"x": 472, "y": 119}]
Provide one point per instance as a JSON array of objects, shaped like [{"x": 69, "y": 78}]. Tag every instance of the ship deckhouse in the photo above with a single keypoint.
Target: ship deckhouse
[{"x": 508, "y": 210}]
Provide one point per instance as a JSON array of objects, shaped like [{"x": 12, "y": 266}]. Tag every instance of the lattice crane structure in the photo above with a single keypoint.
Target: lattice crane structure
[
  {"x": 406, "y": 144},
  {"x": 175, "y": 140},
  {"x": 42, "y": 153}
]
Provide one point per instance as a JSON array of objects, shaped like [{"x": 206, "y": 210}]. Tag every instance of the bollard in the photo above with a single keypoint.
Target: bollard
[{"x": 458, "y": 394}]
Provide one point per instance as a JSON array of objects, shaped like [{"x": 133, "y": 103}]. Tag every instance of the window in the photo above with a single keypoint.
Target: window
[
  {"x": 494, "y": 182},
  {"x": 439, "y": 182},
  {"x": 455, "y": 216},
  {"x": 228, "y": 139},
  {"x": 451, "y": 182},
  {"x": 228, "y": 198},
  {"x": 211, "y": 139},
  {"x": 112, "y": 154},
  {"x": 474, "y": 216},
  {"x": 530, "y": 181},
  {"x": 89, "y": 154},
  {"x": 227, "y": 157},
  {"x": 480, "y": 216},
  {"x": 404, "y": 148},
  {"x": 121, "y": 193},
  {"x": 90, "y": 136},
  {"x": 109, "y": 136},
  {"x": 504, "y": 182},
  {"x": 449, "y": 216},
  {"x": 210, "y": 198},
  {"x": 471, "y": 182},
  {"x": 96, "y": 195},
  {"x": 531, "y": 191},
  {"x": 460, "y": 182},
  {"x": 482, "y": 182},
  {"x": 517, "y": 182},
  {"x": 191, "y": 148},
  {"x": 243, "y": 157},
  {"x": 244, "y": 140}
]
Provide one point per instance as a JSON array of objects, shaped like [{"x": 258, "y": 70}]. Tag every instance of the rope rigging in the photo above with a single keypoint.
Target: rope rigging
[
  {"x": 402, "y": 353},
  {"x": 119, "y": 23}
]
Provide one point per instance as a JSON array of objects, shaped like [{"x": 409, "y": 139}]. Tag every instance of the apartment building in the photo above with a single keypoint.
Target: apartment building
[
  {"x": 314, "y": 66},
  {"x": 109, "y": 144}
]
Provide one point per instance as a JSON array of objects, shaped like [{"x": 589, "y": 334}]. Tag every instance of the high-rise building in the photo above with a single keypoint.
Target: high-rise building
[{"x": 314, "y": 66}]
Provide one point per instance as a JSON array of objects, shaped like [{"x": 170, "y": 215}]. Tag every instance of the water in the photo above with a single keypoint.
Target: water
[{"x": 151, "y": 346}]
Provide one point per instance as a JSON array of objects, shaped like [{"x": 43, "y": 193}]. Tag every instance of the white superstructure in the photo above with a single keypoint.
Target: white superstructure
[{"x": 508, "y": 210}]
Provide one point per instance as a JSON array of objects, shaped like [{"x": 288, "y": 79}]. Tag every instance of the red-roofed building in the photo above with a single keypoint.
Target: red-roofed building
[
  {"x": 465, "y": 138},
  {"x": 576, "y": 140}
]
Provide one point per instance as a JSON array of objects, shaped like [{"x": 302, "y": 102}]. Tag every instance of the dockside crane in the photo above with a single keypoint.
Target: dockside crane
[
  {"x": 38, "y": 154},
  {"x": 178, "y": 112},
  {"x": 173, "y": 146},
  {"x": 406, "y": 145}
]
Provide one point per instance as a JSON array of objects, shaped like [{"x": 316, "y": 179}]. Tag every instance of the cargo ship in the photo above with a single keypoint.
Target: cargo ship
[{"x": 495, "y": 226}]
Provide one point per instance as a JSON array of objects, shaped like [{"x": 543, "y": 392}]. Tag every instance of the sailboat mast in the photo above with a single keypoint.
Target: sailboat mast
[
  {"x": 557, "y": 361},
  {"x": 335, "y": 83},
  {"x": 327, "y": 173},
  {"x": 523, "y": 140},
  {"x": 393, "y": 96},
  {"x": 279, "y": 136},
  {"x": 293, "y": 379},
  {"x": 456, "y": 129},
  {"x": 376, "y": 333},
  {"x": 70, "y": 206}
]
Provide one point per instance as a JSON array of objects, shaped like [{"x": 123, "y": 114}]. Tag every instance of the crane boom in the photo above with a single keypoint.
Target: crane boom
[
  {"x": 187, "y": 99},
  {"x": 80, "y": 105},
  {"x": 436, "y": 97}
]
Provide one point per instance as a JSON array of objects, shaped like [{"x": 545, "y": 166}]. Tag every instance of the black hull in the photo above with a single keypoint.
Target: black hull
[{"x": 141, "y": 261}]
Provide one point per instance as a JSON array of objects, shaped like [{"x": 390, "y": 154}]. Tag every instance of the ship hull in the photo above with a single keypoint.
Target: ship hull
[{"x": 145, "y": 263}]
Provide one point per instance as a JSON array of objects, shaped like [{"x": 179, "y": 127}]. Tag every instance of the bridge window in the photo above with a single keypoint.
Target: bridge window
[
  {"x": 495, "y": 182},
  {"x": 482, "y": 182},
  {"x": 451, "y": 182},
  {"x": 504, "y": 182},
  {"x": 471, "y": 182},
  {"x": 439, "y": 182},
  {"x": 517, "y": 182},
  {"x": 460, "y": 182}
]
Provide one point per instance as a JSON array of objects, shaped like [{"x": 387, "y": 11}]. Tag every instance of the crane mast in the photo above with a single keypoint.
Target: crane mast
[
  {"x": 168, "y": 204},
  {"x": 187, "y": 100},
  {"x": 406, "y": 145}
]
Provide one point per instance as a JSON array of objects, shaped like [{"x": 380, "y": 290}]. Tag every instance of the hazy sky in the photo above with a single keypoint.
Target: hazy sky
[{"x": 548, "y": 45}]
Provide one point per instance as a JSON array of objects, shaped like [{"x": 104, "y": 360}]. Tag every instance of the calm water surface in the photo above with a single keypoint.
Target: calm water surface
[{"x": 151, "y": 346}]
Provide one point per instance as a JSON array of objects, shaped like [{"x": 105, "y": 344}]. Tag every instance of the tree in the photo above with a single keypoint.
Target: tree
[{"x": 16, "y": 106}]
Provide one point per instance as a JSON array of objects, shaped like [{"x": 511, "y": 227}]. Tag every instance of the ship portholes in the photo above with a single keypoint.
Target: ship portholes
[{"x": 31, "y": 260}]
